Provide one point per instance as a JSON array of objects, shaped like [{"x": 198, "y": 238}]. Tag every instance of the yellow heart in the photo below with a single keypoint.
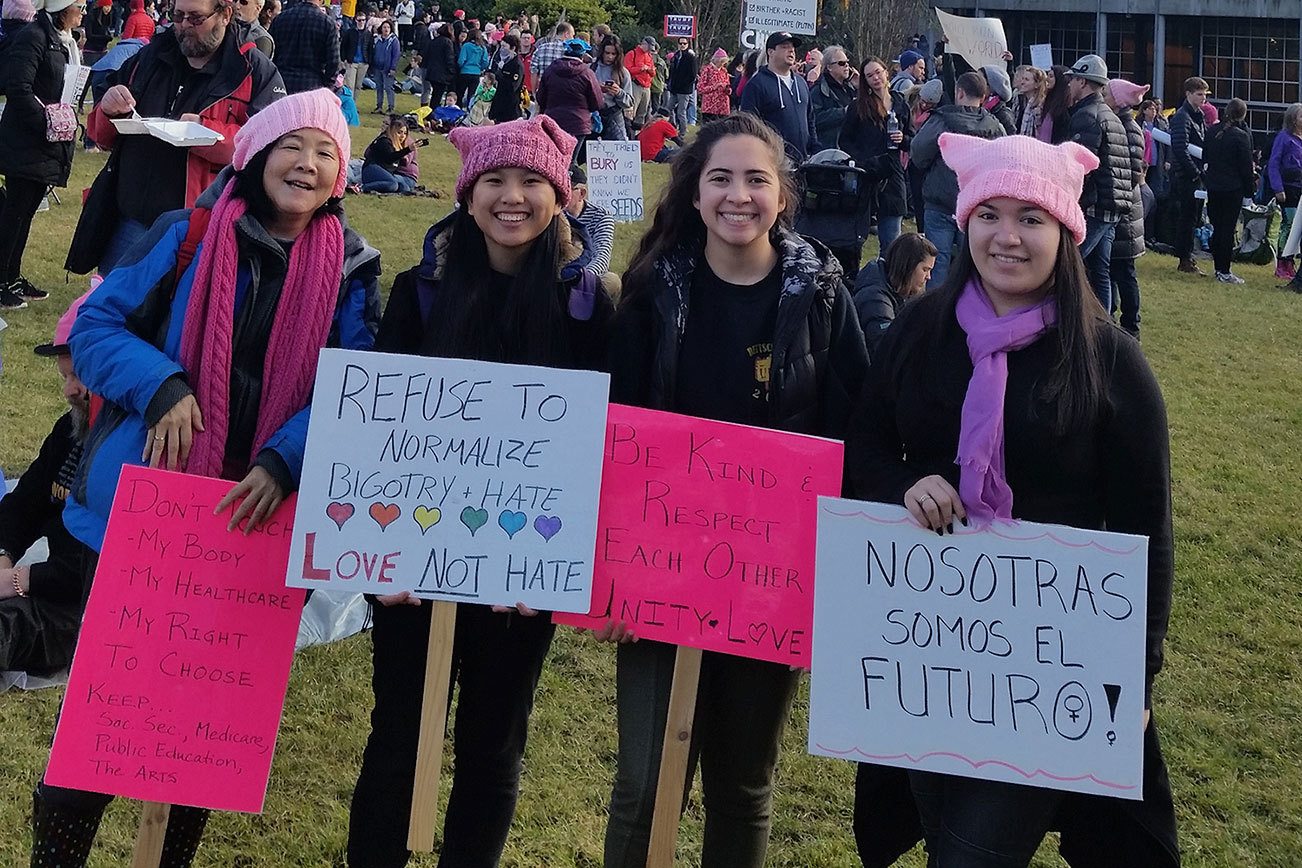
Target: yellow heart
[{"x": 426, "y": 517}]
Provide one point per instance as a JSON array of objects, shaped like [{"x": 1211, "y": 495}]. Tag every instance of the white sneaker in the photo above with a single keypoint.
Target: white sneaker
[{"x": 1227, "y": 277}]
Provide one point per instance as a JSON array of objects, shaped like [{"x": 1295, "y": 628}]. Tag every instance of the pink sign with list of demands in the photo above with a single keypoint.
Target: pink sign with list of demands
[
  {"x": 180, "y": 673},
  {"x": 706, "y": 533}
]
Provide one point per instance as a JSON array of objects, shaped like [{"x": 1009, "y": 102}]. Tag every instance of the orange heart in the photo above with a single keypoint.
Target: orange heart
[{"x": 384, "y": 515}]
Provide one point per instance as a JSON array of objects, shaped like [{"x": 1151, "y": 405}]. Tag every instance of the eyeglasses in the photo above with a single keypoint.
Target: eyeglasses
[{"x": 194, "y": 19}]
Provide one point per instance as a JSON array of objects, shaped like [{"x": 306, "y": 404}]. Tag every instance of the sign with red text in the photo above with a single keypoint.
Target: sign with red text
[
  {"x": 1013, "y": 653},
  {"x": 180, "y": 672},
  {"x": 706, "y": 535},
  {"x": 459, "y": 480}
]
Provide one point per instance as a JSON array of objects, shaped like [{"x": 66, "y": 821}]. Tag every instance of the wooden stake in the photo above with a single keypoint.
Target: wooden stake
[
  {"x": 673, "y": 758},
  {"x": 148, "y": 851},
  {"x": 433, "y": 723}
]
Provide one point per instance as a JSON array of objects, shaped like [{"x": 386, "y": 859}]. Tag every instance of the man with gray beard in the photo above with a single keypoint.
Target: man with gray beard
[
  {"x": 40, "y": 603},
  {"x": 200, "y": 69}
]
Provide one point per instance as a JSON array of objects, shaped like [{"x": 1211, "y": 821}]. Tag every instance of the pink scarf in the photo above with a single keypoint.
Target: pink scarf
[
  {"x": 303, "y": 317},
  {"x": 990, "y": 337}
]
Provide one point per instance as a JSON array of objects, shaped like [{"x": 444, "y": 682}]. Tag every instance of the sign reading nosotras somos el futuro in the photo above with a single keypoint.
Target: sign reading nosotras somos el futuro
[
  {"x": 1014, "y": 653},
  {"x": 459, "y": 480}
]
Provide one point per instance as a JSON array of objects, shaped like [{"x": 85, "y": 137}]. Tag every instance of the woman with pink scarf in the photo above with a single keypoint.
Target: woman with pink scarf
[{"x": 1054, "y": 416}]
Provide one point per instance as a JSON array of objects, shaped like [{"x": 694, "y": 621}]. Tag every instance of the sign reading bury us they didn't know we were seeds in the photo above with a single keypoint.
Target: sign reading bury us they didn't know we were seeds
[{"x": 459, "y": 480}]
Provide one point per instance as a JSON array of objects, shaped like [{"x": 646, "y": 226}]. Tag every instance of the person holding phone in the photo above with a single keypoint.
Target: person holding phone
[{"x": 384, "y": 155}]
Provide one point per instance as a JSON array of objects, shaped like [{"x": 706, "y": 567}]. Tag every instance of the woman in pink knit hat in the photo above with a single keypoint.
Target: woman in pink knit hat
[
  {"x": 1054, "y": 416},
  {"x": 503, "y": 278},
  {"x": 203, "y": 343}
]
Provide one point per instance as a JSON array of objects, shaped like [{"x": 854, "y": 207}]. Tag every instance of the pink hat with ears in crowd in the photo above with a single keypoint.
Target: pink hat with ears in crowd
[
  {"x": 1126, "y": 94},
  {"x": 1021, "y": 168},
  {"x": 537, "y": 144},
  {"x": 310, "y": 109},
  {"x": 719, "y": 53},
  {"x": 63, "y": 328}
]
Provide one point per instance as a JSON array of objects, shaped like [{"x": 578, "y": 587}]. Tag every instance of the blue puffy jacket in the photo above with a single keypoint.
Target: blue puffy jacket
[
  {"x": 473, "y": 59},
  {"x": 127, "y": 343}
]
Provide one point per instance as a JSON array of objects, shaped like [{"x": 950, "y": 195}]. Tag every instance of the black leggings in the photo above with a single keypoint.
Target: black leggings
[
  {"x": 22, "y": 197},
  {"x": 1223, "y": 210}
]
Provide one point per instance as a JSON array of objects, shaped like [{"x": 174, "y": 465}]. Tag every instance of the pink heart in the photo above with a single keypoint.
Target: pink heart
[{"x": 339, "y": 513}]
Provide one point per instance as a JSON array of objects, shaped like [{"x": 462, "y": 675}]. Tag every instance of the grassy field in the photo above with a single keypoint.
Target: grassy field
[{"x": 1229, "y": 701}]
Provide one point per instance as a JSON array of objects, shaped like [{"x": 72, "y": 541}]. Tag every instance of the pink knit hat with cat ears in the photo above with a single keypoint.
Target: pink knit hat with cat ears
[
  {"x": 310, "y": 109},
  {"x": 1022, "y": 168},
  {"x": 1126, "y": 94},
  {"x": 537, "y": 144}
]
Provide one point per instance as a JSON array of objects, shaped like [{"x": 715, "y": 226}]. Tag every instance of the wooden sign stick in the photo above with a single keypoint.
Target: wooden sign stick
[
  {"x": 673, "y": 758},
  {"x": 148, "y": 851},
  {"x": 433, "y": 723}
]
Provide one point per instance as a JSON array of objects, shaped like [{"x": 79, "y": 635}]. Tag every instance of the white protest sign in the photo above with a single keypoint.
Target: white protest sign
[
  {"x": 979, "y": 41},
  {"x": 462, "y": 481},
  {"x": 615, "y": 178},
  {"x": 1014, "y": 653},
  {"x": 1042, "y": 56},
  {"x": 772, "y": 16},
  {"x": 74, "y": 82}
]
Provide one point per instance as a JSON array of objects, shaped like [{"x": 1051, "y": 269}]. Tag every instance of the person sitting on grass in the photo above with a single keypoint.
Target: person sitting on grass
[
  {"x": 482, "y": 101},
  {"x": 385, "y": 155},
  {"x": 884, "y": 285},
  {"x": 448, "y": 115},
  {"x": 655, "y": 134}
]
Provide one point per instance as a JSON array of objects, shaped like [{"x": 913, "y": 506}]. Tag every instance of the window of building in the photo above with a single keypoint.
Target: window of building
[
  {"x": 1072, "y": 35},
  {"x": 1254, "y": 59}
]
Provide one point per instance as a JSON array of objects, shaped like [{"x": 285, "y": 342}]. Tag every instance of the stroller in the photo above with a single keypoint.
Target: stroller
[
  {"x": 1254, "y": 236},
  {"x": 834, "y": 193}
]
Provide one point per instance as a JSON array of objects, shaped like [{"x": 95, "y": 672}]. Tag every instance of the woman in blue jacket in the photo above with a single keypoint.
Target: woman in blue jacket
[
  {"x": 384, "y": 65},
  {"x": 190, "y": 389},
  {"x": 471, "y": 63}
]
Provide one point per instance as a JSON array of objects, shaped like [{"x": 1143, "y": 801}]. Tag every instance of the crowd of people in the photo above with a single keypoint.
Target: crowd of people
[{"x": 990, "y": 333}]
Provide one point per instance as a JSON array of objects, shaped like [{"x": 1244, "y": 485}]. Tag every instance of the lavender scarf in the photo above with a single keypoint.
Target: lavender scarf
[{"x": 990, "y": 337}]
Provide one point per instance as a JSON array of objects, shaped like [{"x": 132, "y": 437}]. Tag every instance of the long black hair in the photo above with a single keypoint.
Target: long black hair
[
  {"x": 1056, "y": 103},
  {"x": 1074, "y": 387},
  {"x": 527, "y": 326},
  {"x": 677, "y": 220}
]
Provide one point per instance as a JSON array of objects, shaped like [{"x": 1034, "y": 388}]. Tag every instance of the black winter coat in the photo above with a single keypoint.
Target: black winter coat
[
  {"x": 348, "y": 40},
  {"x": 1109, "y": 188},
  {"x": 819, "y": 361},
  {"x": 1227, "y": 155},
  {"x": 831, "y": 102},
  {"x": 1188, "y": 127},
  {"x": 865, "y": 140},
  {"x": 1129, "y": 242},
  {"x": 440, "y": 64},
  {"x": 506, "y": 100},
  {"x": 875, "y": 303},
  {"x": 34, "y": 63}
]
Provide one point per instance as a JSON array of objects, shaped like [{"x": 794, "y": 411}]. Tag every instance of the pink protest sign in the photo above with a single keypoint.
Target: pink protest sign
[
  {"x": 181, "y": 667},
  {"x": 706, "y": 533}
]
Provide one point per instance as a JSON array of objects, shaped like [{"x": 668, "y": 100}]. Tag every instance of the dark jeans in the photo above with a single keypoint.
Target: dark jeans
[
  {"x": 1125, "y": 293},
  {"x": 1096, "y": 250},
  {"x": 1223, "y": 210},
  {"x": 741, "y": 710},
  {"x": 971, "y": 823},
  {"x": 1188, "y": 212},
  {"x": 22, "y": 198},
  {"x": 465, "y": 88},
  {"x": 496, "y": 661}
]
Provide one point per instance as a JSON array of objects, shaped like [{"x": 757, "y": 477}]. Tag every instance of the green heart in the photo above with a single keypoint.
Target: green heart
[{"x": 474, "y": 518}]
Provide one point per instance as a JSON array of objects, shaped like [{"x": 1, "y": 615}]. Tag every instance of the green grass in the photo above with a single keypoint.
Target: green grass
[{"x": 1229, "y": 701}]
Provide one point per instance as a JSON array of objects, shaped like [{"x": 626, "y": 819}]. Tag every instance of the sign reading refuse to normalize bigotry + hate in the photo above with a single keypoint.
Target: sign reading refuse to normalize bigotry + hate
[
  {"x": 181, "y": 667},
  {"x": 460, "y": 480},
  {"x": 1013, "y": 653},
  {"x": 706, "y": 536}
]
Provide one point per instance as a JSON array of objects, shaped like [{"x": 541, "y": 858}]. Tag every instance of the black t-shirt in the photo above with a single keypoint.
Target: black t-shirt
[{"x": 723, "y": 366}]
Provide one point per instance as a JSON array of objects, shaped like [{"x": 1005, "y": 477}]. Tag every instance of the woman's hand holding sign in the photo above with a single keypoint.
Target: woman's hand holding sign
[{"x": 935, "y": 504}]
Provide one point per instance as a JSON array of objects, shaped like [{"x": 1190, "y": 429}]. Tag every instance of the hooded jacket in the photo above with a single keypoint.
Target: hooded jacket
[
  {"x": 1227, "y": 155},
  {"x": 1109, "y": 189},
  {"x": 818, "y": 363},
  {"x": 127, "y": 342},
  {"x": 940, "y": 187},
  {"x": 789, "y": 110},
  {"x": 33, "y": 66},
  {"x": 1129, "y": 241},
  {"x": 569, "y": 94},
  {"x": 138, "y": 24},
  {"x": 875, "y": 303}
]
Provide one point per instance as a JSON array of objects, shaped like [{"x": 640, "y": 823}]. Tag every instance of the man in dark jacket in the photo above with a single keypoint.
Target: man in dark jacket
[
  {"x": 1128, "y": 246},
  {"x": 356, "y": 50},
  {"x": 940, "y": 187},
  {"x": 307, "y": 46},
  {"x": 682, "y": 83},
  {"x": 200, "y": 70},
  {"x": 780, "y": 97},
  {"x": 832, "y": 94},
  {"x": 1188, "y": 128},
  {"x": 40, "y": 603},
  {"x": 1107, "y": 195}
]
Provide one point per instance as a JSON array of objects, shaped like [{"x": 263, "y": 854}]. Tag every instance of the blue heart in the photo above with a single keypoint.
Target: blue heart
[{"x": 511, "y": 522}]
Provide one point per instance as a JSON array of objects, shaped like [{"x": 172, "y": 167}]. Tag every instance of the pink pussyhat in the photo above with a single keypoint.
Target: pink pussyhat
[
  {"x": 63, "y": 328},
  {"x": 1126, "y": 94},
  {"x": 1021, "y": 168},
  {"x": 537, "y": 144}
]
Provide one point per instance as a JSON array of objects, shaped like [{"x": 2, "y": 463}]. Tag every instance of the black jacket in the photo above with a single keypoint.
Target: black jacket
[
  {"x": 33, "y": 63},
  {"x": 440, "y": 61},
  {"x": 875, "y": 303},
  {"x": 865, "y": 140},
  {"x": 1129, "y": 241},
  {"x": 831, "y": 102},
  {"x": 1109, "y": 188},
  {"x": 682, "y": 72},
  {"x": 348, "y": 39},
  {"x": 1227, "y": 154},
  {"x": 818, "y": 361},
  {"x": 1188, "y": 127},
  {"x": 307, "y": 47},
  {"x": 381, "y": 152},
  {"x": 506, "y": 100},
  {"x": 1112, "y": 473},
  {"x": 940, "y": 186}
]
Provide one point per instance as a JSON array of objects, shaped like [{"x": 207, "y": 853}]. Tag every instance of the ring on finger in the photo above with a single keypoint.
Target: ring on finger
[
  {"x": 926, "y": 497},
  {"x": 159, "y": 437}
]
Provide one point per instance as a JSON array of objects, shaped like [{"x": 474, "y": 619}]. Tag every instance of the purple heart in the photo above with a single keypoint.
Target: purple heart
[{"x": 547, "y": 526}]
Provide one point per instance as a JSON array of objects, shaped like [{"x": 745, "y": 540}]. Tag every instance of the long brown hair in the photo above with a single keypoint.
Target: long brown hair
[
  {"x": 616, "y": 68},
  {"x": 869, "y": 102},
  {"x": 677, "y": 220}
]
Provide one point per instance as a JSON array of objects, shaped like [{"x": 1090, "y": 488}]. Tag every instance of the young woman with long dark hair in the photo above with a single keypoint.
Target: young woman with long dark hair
[
  {"x": 1057, "y": 101},
  {"x": 1055, "y": 416},
  {"x": 616, "y": 89},
  {"x": 885, "y": 284},
  {"x": 503, "y": 278},
  {"x": 726, "y": 314},
  {"x": 868, "y": 138}
]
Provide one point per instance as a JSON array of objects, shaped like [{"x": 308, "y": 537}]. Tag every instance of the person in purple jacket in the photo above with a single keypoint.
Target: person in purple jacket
[
  {"x": 1284, "y": 174},
  {"x": 569, "y": 94}
]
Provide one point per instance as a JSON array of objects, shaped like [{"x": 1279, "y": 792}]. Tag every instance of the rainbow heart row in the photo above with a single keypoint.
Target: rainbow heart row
[{"x": 509, "y": 521}]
